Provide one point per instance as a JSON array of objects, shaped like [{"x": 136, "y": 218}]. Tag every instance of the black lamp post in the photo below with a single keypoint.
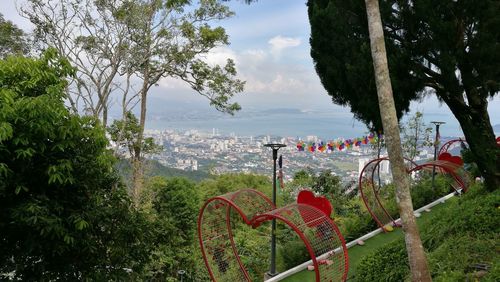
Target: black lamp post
[
  {"x": 436, "y": 144},
  {"x": 272, "y": 269}
]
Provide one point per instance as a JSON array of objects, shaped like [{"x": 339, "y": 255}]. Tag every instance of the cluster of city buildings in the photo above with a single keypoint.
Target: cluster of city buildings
[{"x": 194, "y": 150}]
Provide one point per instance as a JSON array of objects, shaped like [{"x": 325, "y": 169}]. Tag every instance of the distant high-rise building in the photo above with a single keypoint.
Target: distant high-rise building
[
  {"x": 312, "y": 138},
  {"x": 361, "y": 164}
]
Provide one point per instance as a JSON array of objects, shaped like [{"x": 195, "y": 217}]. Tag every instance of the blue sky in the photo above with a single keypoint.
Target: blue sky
[{"x": 269, "y": 43}]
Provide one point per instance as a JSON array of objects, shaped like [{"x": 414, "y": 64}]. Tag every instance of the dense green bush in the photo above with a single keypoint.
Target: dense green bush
[
  {"x": 475, "y": 213},
  {"x": 64, "y": 215},
  {"x": 172, "y": 210},
  {"x": 356, "y": 225},
  {"x": 293, "y": 253},
  {"x": 231, "y": 182},
  {"x": 469, "y": 249},
  {"x": 388, "y": 263},
  {"x": 422, "y": 192}
]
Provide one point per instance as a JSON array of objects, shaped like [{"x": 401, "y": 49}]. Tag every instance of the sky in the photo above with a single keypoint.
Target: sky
[{"x": 270, "y": 46}]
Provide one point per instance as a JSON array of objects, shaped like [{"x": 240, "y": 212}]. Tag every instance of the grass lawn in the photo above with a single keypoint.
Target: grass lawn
[{"x": 356, "y": 253}]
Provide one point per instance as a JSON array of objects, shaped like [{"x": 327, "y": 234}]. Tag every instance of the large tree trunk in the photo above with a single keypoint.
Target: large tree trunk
[
  {"x": 418, "y": 262},
  {"x": 476, "y": 126},
  {"x": 138, "y": 160}
]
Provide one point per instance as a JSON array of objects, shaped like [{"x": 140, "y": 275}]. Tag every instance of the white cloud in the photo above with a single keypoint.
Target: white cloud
[
  {"x": 219, "y": 56},
  {"x": 278, "y": 43}
]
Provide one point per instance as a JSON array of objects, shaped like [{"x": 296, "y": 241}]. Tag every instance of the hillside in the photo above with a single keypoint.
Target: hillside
[
  {"x": 154, "y": 168},
  {"x": 461, "y": 242},
  {"x": 461, "y": 239}
]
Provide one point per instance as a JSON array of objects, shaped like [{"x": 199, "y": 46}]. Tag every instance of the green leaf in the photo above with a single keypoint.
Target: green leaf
[
  {"x": 19, "y": 188},
  {"x": 6, "y": 131},
  {"x": 81, "y": 224}
]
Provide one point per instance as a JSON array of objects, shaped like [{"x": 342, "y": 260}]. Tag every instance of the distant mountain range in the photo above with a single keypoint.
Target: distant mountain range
[{"x": 496, "y": 128}]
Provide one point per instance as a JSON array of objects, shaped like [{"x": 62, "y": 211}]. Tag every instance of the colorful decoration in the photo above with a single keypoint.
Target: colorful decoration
[
  {"x": 300, "y": 146},
  {"x": 338, "y": 145}
]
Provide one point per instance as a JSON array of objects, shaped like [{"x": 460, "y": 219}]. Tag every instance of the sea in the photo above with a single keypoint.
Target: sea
[{"x": 283, "y": 122}]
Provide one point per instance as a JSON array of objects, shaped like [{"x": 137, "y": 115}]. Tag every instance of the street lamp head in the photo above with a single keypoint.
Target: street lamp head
[
  {"x": 438, "y": 122},
  {"x": 274, "y": 146}
]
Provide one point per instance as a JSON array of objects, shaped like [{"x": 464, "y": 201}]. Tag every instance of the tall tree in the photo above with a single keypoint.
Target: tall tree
[
  {"x": 143, "y": 41},
  {"x": 13, "y": 40},
  {"x": 88, "y": 34},
  {"x": 418, "y": 262},
  {"x": 415, "y": 135},
  {"x": 169, "y": 41},
  {"x": 446, "y": 48}
]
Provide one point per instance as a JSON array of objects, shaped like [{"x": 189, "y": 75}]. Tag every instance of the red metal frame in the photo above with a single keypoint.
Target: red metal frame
[
  {"x": 363, "y": 196},
  {"x": 448, "y": 144},
  {"x": 290, "y": 215},
  {"x": 444, "y": 166},
  {"x": 448, "y": 167}
]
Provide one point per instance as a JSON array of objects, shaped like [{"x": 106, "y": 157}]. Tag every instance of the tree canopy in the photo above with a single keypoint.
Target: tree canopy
[
  {"x": 63, "y": 213},
  {"x": 446, "y": 48},
  {"x": 12, "y": 39}
]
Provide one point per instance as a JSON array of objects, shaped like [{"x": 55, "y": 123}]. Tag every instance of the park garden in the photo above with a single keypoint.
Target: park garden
[{"x": 68, "y": 213}]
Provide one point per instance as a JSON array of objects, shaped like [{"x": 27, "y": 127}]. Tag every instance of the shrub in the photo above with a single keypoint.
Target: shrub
[
  {"x": 475, "y": 214},
  {"x": 388, "y": 263},
  {"x": 422, "y": 192},
  {"x": 355, "y": 226},
  {"x": 293, "y": 253},
  {"x": 469, "y": 249}
]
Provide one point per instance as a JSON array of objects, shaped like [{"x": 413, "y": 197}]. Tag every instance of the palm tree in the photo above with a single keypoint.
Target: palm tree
[{"x": 418, "y": 262}]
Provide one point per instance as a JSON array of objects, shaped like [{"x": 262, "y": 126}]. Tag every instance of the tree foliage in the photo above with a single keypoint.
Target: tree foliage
[
  {"x": 119, "y": 44},
  {"x": 456, "y": 237},
  {"x": 63, "y": 213},
  {"x": 88, "y": 35},
  {"x": 447, "y": 49},
  {"x": 415, "y": 136},
  {"x": 13, "y": 40},
  {"x": 125, "y": 133},
  {"x": 173, "y": 207},
  {"x": 324, "y": 183}
]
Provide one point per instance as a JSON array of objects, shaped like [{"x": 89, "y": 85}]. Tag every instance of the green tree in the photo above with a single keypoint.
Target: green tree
[
  {"x": 13, "y": 40},
  {"x": 115, "y": 43},
  {"x": 447, "y": 48},
  {"x": 415, "y": 135},
  {"x": 87, "y": 33},
  {"x": 325, "y": 183},
  {"x": 63, "y": 213},
  {"x": 330, "y": 186},
  {"x": 124, "y": 134},
  {"x": 173, "y": 207},
  {"x": 167, "y": 41}
]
